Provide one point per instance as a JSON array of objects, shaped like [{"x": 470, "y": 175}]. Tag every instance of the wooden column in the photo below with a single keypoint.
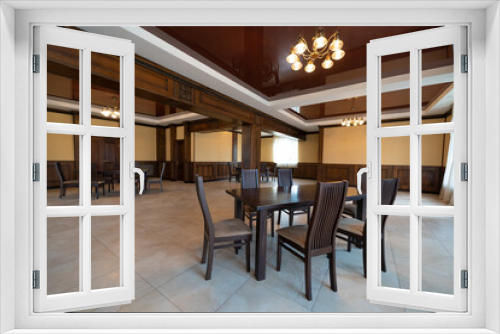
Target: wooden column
[
  {"x": 173, "y": 153},
  {"x": 234, "y": 148},
  {"x": 161, "y": 145},
  {"x": 251, "y": 146},
  {"x": 188, "y": 177},
  {"x": 320, "y": 152}
]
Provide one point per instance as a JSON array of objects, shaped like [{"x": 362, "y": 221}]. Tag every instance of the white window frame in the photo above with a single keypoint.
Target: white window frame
[
  {"x": 86, "y": 43},
  {"x": 414, "y": 44},
  {"x": 483, "y": 46}
]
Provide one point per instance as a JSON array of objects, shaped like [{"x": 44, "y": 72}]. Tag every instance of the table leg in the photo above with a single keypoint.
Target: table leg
[
  {"x": 261, "y": 246},
  {"x": 238, "y": 209}
]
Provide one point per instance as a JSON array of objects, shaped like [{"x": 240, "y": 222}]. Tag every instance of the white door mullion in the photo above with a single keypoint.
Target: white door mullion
[{"x": 414, "y": 168}]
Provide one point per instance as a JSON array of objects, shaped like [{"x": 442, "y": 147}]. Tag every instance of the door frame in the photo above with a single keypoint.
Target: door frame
[{"x": 475, "y": 318}]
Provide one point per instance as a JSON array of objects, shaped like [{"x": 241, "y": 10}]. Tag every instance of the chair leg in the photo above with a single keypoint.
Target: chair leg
[
  {"x": 161, "y": 185},
  {"x": 97, "y": 191},
  {"x": 382, "y": 250},
  {"x": 333, "y": 271},
  {"x": 279, "y": 217},
  {"x": 308, "y": 215},
  {"x": 348, "y": 244},
  {"x": 278, "y": 256},
  {"x": 61, "y": 192},
  {"x": 208, "y": 274},
  {"x": 237, "y": 246},
  {"x": 247, "y": 251},
  {"x": 205, "y": 249},
  {"x": 307, "y": 265},
  {"x": 291, "y": 217}
]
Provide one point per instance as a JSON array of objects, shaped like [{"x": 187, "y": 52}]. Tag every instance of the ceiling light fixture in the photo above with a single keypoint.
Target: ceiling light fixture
[
  {"x": 113, "y": 113},
  {"x": 329, "y": 49},
  {"x": 353, "y": 121}
]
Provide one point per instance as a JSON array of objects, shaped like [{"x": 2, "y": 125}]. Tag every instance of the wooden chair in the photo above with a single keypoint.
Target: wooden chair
[
  {"x": 96, "y": 183},
  {"x": 233, "y": 172},
  {"x": 222, "y": 234},
  {"x": 273, "y": 172},
  {"x": 317, "y": 238},
  {"x": 354, "y": 230},
  {"x": 351, "y": 208},
  {"x": 285, "y": 179},
  {"x": 264, "y": 172},
  {"x": 249, "y": 180},
  {"x": 157, "y": 179},
  {"x": 64, "y": 184},
  {"x": 110, "y": 179}
]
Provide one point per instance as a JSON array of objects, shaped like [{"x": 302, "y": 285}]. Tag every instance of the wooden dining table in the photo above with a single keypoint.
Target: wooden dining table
[{"x": 264, "y": 200}]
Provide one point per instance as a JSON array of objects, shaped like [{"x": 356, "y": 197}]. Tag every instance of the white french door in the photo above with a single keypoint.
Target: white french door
[
  {"x": 427, "y": 235},
  {"x": 83, "y": 230}
]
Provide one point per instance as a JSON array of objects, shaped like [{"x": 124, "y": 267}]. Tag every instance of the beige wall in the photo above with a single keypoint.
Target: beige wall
[
  {"x": 179, "y": 133},
  {"x": 145, "y": 143},
  {"x": 266, "y": 149},
  {"x": 213, "y": 146},
  {"x": 167, "y": 145},
  {"x": 308, "y": 149},
  {"x": 60, "y": 147},
  {"x": 347, "y": 145},
  {"x": 240, "y": 147},
  {"x": 344, "y": 145},
  {"x": 104, "y": 122}
]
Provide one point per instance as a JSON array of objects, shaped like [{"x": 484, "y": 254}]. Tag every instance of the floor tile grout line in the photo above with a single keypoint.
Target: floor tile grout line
[{"x": 225, "y": 301}]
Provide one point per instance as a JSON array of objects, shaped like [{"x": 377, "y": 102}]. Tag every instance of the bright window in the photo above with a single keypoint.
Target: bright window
[{"x": 286, "y": 152}]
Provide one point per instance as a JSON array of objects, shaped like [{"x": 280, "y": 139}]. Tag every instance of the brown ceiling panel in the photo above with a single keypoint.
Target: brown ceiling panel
[
  {"x": 256, "y": 55},
  {"x": 396, "y": 100}
]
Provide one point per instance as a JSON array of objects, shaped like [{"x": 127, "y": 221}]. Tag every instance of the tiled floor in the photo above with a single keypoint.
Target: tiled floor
[{"x": 170, "y": 278}]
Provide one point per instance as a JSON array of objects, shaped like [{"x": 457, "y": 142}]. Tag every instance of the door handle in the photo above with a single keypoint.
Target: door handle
[
  {"x": 139, "y": 171},
  {"x": 360, "y": 173}
]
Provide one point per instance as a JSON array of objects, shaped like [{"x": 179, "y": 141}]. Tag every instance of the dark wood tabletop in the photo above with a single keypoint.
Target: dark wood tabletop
[{"x": 268, "y": 199}]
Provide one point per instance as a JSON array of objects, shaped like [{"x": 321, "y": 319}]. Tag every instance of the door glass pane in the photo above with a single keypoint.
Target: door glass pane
[
  {"x": 437, "y": 170},
  {"x": 437, "y": 83},
  {"x": 437, "y": 254},
  {"x": 63, "y": 165},
  {"x": 105, "y": 171},
  {"x": 105, "y": 94},
  {"x": 63, "y": 88},
  {"x": 397, "y": 252},
  {"x": 395, "y": 92},
  {"x": 105, "y": 252},
  {"x": 395, "y": 158},
  {"x": 63, "y": 255}
]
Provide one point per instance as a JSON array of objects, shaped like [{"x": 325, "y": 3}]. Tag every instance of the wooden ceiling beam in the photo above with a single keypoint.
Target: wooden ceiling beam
[{"x": 158, "y": 84}]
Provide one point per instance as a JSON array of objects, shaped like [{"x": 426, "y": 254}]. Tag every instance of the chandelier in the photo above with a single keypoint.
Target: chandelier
[
  {"x": 328, "y": 49},
  {"x": 353, "y": 121},
  {"x": 113, "y": 113}
]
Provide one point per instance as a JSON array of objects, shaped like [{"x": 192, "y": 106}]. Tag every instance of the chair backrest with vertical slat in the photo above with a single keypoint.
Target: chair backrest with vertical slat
[
  {"x": 164, "y": 164},
  {"x": 389, "y": 192},
  {"x": 249, "y": 178},
  {"x": 58, "y": 171},
  {"x": 328, "y": 207},
  {"x": 207, "y": 217},
  {"x": 285, "y": 178}
]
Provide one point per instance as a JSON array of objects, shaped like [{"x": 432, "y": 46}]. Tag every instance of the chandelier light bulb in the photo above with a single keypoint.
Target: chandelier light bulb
[
  {"x": 106, "y": 112},
  {"x": 310, "y": 67},
  {"x": 292, "y": 58},
  {"x": 320, "y": 39},
  {"x": 336, "y": 44},
  {"x": 327, "y": 63},
  {"x": 300, "y": 47},
  {"x": 296, "y": 66},
  {"x": 339, "y": 54}
]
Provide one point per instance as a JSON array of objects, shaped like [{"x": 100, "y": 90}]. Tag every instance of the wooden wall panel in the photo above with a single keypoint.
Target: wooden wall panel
[{"x": 211, "y": 171}]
